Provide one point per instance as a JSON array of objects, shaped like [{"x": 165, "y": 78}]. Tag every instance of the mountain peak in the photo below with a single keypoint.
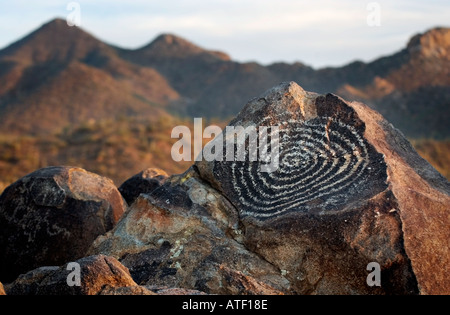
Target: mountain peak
[
  {"x": 173, "y": 43},
  {"x": 54, "y": 40},
  {"x": 170, "y": 45},
  {"x": 434, "y": 42},
  {"x": 56, "y": 30},
  {"x": 172, "y": 39},
  {"x": 56, "y": 22}
]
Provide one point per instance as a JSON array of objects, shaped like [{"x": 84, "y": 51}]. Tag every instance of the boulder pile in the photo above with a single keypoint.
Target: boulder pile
[{"x": 348, "y": 191}]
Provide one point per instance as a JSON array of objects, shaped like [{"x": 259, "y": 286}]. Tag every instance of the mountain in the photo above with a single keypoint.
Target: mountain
[
  {"x": 411, "y": 88},
  {"x": 59, "y": 76},
  {"x": 174, "y": 47},
  {"x": 67, "y": 98},
  {"x": 213, "y": 85},
  {"x": 414, "y": 93}
]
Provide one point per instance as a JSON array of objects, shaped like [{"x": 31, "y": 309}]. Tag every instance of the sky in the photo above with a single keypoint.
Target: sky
[{"x": 318, "y": 33}]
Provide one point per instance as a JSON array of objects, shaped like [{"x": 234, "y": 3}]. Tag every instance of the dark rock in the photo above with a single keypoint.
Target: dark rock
[
  {"x": 348, "y": 190},
  {"x": 142, "y": 183},
  {"x": 148, "y": 264},
  {"x": 98, "y": 275},
  {"x": 52, "y": 216}
]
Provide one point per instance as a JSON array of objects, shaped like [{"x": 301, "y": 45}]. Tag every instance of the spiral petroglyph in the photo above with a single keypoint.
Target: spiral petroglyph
[{"x": 323, "y": 163}]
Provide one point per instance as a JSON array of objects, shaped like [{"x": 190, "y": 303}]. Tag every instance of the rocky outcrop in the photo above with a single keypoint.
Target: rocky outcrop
[
  {"x": 185, "y": 234},
  {"x": 347, "y": 190},
  {"x": 98, "y": 275},
  {"x": 142, "y": 183},
  {"x": 316, "y": 195},
  {"x": 52, "y": 216}
]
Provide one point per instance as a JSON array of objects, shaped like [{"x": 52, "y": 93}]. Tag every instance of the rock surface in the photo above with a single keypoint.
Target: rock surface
[
  {"x": 339, "y": 188},
  {"x": 97, "y": 274},
  {"x": 348, "y": 190},
  {"x": 180, "y": 236},
  {"x": 142, "y": 183},
  {"x": 52, "y": 216}
]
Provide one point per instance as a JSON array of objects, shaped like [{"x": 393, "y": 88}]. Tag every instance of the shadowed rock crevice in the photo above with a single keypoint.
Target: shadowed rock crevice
[{"x": 145, "y": 265}]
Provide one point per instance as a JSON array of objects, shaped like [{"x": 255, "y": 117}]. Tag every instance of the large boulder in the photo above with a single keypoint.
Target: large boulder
[
  {"x": 348, "y": 190},
  {"x": 52, "y": 216},
  {"x": 142, "y": 183}
]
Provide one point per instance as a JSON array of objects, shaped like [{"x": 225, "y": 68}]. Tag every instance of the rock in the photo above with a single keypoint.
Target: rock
[
  {"x": 2, "y": 289},
  {"x": 185, "y": 235},
  {"x": 339, "y": 193},
  {"x": 142, "y": 183},
  {"x": 98, "y": 275},
  {"x": 348, "y": 190},
  {"x": 132, "y": 290},
  {"x": 237, "y": 283},
  {"x": 177, "y": 291},
  {"x": 52, "y": 216}
]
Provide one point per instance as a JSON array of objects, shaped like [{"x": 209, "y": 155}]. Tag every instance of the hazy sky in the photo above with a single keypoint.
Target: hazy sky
[{"x": 319, "y": 33}]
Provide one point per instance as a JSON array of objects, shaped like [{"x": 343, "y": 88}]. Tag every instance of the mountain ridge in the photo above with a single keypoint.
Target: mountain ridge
[
  {"x": 430, "y": 39},
  {"x": 173, "y": 46},
  {"x": 172, "y": 75},
  {"x": 68, "y": 98},
  {"x": 60, "y": 75}
]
